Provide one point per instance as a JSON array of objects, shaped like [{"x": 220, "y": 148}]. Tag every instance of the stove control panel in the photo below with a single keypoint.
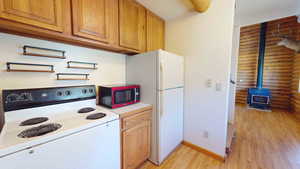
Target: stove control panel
[
  {"x": 29, "y": 98},
  {"x": 18, "y": 97}
]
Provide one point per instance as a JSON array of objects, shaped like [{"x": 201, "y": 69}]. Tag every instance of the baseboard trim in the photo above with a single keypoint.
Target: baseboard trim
[
  {"x": 158, "y": 164},
  {"x": 204, "y": 151}
]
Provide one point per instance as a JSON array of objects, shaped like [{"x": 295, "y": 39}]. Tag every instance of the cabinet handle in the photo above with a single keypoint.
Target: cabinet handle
[{"x": 31, "y": 151}]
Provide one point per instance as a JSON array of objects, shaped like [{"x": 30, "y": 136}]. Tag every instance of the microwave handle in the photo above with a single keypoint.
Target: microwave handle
[{"x": 135, "y": 94}]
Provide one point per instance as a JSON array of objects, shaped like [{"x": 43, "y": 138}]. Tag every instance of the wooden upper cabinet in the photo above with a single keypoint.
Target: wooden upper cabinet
[
  {"x": 47, "y": 14},
  {"x": 155, "y": 32},
  {"x": 95, "y": 19},
  {"x": 132, "y": 25}
]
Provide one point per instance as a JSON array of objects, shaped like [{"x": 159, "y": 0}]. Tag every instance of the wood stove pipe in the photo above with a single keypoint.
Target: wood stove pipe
[{"x": 261, "y": 57}]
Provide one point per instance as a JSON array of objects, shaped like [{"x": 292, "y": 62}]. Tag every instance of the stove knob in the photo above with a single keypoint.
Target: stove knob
[
  {"x": 91, "y": 90},
  {"x": 84, "y": 91},
  {"x": 68, "y": 93},
  {"x": 24, "y": 97},
  {"x": 59, "y": 93}
]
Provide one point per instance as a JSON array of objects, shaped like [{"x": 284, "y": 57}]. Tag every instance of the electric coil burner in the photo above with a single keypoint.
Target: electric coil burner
[
  {"x": 86, "y": 110},
  {"x": 95, "y": 116},
  {"x": 34, "y": 121},
  {"x": 39, "y": 130},
  {"x": 260, "y": 97}
]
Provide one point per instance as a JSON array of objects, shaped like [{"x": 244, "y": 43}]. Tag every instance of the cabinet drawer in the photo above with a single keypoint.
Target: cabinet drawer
[{"x": 132, "y": 121}]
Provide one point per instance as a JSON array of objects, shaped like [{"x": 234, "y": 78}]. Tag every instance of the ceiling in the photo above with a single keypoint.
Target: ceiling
[
  {"x": 256, "y": 11},
  {"x": 168, "y": 9},
  {"x": 247, "y": 11},
  {"x": 246, "y": 7}
]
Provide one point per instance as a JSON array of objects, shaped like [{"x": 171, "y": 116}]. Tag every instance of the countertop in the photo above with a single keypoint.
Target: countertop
[{"x": 131, "y": 109}]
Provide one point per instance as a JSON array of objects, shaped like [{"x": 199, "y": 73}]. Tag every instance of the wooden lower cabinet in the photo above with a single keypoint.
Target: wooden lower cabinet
[{"x": 136, "y": 133}]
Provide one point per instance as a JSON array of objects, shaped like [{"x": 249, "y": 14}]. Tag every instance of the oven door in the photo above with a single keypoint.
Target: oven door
[{"x": 125, "y": 97}]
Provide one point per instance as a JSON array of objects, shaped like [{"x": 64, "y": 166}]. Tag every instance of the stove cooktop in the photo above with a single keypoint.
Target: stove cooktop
[{"x": 40, "y": 115}]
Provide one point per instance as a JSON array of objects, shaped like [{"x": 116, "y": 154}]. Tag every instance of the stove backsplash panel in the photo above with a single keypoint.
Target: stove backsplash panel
[{"x": 38, "y": 97}]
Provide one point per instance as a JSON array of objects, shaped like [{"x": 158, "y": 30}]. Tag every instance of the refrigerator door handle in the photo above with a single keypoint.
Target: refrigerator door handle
[
  {"x": 161, "y": 68},
  {"x": 161, "y": 102}
]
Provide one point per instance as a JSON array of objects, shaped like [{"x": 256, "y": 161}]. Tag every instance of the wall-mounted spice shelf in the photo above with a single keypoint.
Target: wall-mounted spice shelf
[
  {"x": 10, "y": 69},
  {"x": 26, "y": 47},
  {"x": 70, "y": 65},
  {"x": 81, "y": 76}
]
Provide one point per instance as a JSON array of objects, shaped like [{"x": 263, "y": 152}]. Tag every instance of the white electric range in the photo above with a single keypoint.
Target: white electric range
[{"x": 58, "y": 128}]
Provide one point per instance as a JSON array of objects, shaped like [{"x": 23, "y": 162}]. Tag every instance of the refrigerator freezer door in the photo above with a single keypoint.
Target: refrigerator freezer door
[
  {"x": 171, "y": 70},
  {"x": 170, "y": 121}
]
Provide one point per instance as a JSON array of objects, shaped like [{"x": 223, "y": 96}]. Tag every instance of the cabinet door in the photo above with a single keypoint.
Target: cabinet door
[
  {"x": 155, "y": 32},
  {"x": 132, "y": 25},
  {"x": 46, "y": 14},
  {"x": 95, "y": 19},
  {"x": 136, "y": 145}
]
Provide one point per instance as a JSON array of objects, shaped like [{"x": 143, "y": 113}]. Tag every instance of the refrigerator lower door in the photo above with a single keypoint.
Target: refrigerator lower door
[{"x": 170, "y": 121}]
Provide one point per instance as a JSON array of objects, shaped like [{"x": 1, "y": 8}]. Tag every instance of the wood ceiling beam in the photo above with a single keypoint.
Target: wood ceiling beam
[{"x": 201, "y": 5}]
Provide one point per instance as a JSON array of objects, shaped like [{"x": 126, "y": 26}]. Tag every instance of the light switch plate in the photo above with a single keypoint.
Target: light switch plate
[
  {"x": 205, "y": 134},
  {"x": 209, "y": 83},
  {"x": 218, "y": 86}
]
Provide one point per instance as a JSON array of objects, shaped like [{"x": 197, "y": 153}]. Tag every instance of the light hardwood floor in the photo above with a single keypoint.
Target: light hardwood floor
[{"x": 265, "y": 140}]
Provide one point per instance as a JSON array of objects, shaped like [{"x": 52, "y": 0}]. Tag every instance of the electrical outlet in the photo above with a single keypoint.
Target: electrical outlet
[{"x": 205, "y": 134}]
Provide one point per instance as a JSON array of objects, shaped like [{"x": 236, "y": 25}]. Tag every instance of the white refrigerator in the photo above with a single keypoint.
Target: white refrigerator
[{"x": 161, "y": 76}]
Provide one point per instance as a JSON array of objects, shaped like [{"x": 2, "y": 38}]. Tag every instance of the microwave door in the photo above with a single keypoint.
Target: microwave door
[{"x": 124, "y": 96}]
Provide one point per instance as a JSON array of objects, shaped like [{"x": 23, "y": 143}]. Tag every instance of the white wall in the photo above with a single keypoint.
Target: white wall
[
  {"x": 233, "y": 73},
  {"x": 206, "y": 42},
  {"x": 111, "y": 66}
]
